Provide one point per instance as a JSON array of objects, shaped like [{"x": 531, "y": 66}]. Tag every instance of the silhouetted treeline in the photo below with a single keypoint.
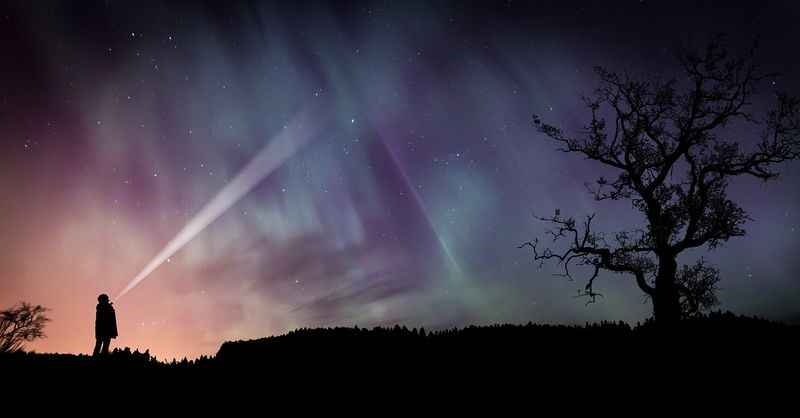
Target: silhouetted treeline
[{"x": 714, "y": 337}]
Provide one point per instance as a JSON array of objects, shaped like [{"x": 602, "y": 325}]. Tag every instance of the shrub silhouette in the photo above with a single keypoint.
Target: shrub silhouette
[{"x": 21, "y": 324}]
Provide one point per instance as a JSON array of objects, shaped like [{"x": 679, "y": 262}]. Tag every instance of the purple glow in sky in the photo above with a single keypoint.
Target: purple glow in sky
[{"x": 120, "y": 122}]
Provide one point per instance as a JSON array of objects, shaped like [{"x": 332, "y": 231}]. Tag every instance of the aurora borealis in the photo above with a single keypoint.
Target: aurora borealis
[{"x": 120, "y": 120}]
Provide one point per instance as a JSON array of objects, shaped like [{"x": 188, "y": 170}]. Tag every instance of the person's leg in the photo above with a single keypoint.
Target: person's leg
[
  {"x": 106, "y": 342},
  {"x": 97, "y": 344}
]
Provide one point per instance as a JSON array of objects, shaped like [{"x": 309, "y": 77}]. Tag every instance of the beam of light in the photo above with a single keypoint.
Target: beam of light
[
  {"x": 454, "y": 265},
  {"x": 302, "y": 128}
]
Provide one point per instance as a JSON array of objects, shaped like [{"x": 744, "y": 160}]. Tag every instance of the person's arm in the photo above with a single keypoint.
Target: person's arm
[{"x": 113, "y": 317}]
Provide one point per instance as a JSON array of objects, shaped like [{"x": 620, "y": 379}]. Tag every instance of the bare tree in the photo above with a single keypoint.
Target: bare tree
[
  {"x": 673, "y": 156},
  {"x": 21, "y": 324}
]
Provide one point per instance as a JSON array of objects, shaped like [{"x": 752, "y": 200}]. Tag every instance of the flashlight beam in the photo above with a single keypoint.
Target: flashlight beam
[{"x": 283, "y": 146}]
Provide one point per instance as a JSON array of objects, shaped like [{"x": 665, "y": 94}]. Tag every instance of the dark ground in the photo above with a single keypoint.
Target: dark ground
[{"x": 719, "y": 341}]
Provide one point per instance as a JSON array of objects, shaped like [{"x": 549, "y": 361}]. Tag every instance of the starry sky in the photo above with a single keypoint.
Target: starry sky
[{"x": 120, "y": 120}]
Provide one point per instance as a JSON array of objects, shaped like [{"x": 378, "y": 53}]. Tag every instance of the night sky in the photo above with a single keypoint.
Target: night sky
[{"x": 119, "y": 121}]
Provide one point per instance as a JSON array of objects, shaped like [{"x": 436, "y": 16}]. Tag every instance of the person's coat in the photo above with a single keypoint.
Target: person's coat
[{"x": 105, "y": 325}]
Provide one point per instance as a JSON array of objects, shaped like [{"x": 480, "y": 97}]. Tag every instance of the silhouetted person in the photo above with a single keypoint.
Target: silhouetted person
[{"x": 105, "y": 325}]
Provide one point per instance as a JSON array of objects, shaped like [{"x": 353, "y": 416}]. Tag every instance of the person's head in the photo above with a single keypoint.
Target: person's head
[{"x": 103, "y": 298}]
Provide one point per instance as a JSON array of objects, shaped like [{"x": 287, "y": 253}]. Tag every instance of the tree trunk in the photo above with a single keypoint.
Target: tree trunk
[{"x": 666, "y": 304}]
